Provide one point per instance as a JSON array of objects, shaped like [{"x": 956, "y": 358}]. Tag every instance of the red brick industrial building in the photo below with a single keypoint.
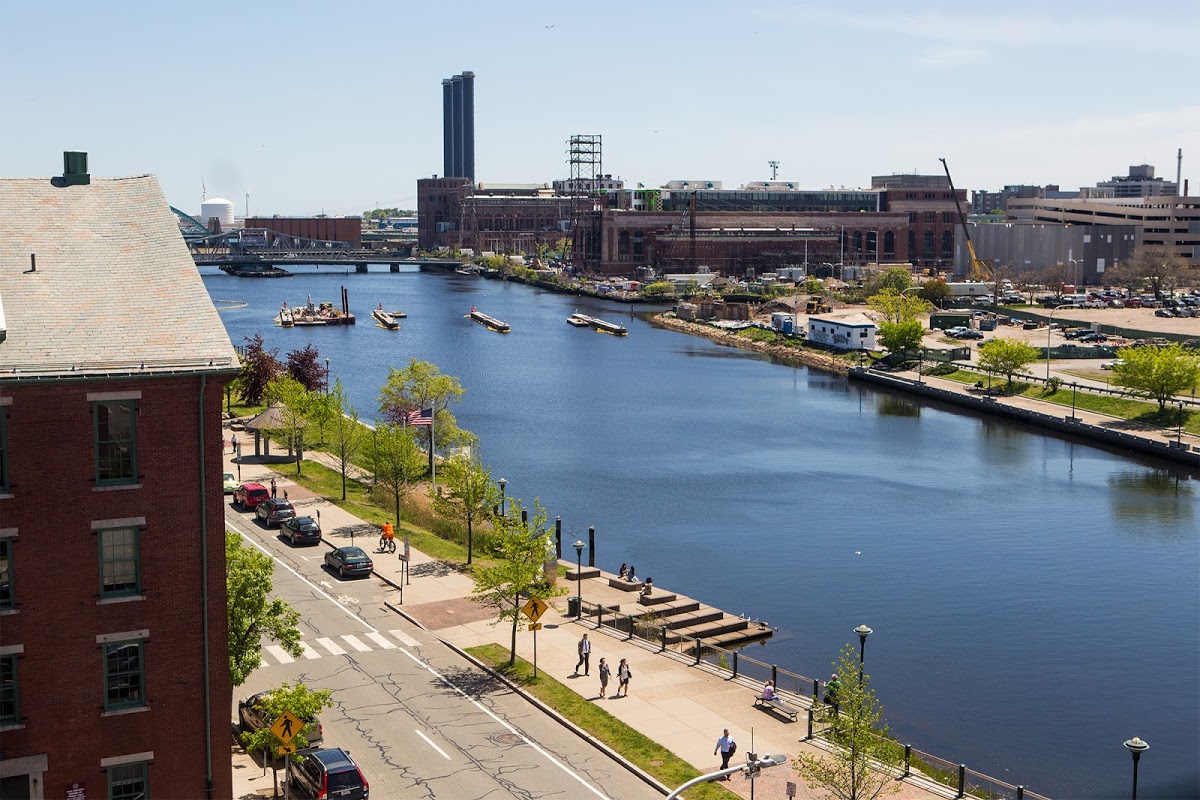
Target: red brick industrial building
[
  {"x": 327, "y": 229},
  {"x": 114, "y": 667}
]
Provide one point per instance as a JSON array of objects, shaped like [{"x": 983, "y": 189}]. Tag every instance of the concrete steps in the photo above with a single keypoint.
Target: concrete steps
[
  {"x": 587, "y": 572},
  {"x": 693, "y": 619},
  {"x": 656, "y": 598}
]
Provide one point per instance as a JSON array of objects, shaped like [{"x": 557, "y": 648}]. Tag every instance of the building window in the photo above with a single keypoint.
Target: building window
[
  {"x": 912, "y": 218},
  {"x": 6, "y": 573},
  {"x": 115, "y": 441},
  {"x": 120, "y": 562},
  {"x": 124, "y": 678},
  {"x": 889, "y": 244},
  {"x": 948, "y": 217},
  {"x": 929, "y": 217},
  {"x": 10, "y": 697},
  {"x": 927, "y": 244},
  {"x": 129, "y": 781},
  {"x": 3, "y": 449}
]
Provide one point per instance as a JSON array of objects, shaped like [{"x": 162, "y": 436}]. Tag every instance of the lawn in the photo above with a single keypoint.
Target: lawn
[{"x": 633, "y": 746}]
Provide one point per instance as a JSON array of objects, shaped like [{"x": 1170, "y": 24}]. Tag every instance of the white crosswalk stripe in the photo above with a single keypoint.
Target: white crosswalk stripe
[
  {"x": 280, "y": 654},
  {"x": 405, "y": 639},
  {"x": 329, "y": 645},
  {"x": 381, "y": 640},
  {"x": 354, "y": 642},
  {"x": 308, "y": 651}
]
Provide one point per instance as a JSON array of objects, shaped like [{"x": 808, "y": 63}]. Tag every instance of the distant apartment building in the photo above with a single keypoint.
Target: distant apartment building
[
  {"x": 114, "y": 665},
  {"x": 1140, "y": 182},
  {"x": 984, "y": 202}
]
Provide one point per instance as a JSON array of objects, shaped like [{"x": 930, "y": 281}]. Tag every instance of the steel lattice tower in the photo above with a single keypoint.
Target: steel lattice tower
[{"x": 585, "y": 155}]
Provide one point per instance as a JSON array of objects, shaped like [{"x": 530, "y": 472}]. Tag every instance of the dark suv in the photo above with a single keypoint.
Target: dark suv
[
  {"x": 301, "y": 530},
  {"x": 274, "y": 510},
  {"x": 329, "y": 774}
]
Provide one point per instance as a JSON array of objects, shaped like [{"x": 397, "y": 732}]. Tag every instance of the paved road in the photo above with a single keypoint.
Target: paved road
[{"x": 418, "y": 719}]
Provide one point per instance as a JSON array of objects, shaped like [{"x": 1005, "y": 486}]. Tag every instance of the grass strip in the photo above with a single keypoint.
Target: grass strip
[{"x": 631, "y": 745}]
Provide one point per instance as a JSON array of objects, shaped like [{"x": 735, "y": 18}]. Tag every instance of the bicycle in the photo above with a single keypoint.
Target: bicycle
[{"x": 386, "y": 545}]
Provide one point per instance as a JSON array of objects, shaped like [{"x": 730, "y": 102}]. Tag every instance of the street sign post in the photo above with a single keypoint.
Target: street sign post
[
  {"x": 286, "y": 727},
  {"x": 534, "y": 610},
  {"x": 286, "y": 749}
]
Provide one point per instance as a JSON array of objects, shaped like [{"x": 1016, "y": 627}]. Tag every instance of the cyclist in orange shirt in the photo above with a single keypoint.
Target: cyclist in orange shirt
[{"x": 388, "y": 540}]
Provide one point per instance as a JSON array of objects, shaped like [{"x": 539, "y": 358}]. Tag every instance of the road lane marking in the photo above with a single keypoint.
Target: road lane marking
[
  {"x": 354, "y": 642},
  {"x": 308, "y": 651},
  {"x": 280, "y": 654},
  {"x": 331, "y": 647},
  {"x": 434, "y": 746},
  {"x": 509, "y": 727},
  {"x": 381, "y": 640},
  {"x": 405, "y": 638}
]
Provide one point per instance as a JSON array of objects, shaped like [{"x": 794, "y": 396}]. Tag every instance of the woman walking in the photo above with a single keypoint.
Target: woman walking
[
  {"x": 623, "y": 676},
  {"x": 605, "y": 674}
]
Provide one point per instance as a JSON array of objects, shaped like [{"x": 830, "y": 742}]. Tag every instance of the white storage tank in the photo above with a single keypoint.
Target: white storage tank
[{"x": 217, "y": 207}]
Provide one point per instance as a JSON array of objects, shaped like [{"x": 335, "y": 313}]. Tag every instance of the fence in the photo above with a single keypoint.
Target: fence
[{"x": 650, "y": 632}]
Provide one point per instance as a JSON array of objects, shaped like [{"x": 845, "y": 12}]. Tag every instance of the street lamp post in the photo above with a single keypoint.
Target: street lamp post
[
  {"x": 579, "y": 578},
  {"x": 238, "y": 459},
  {"x": 326, "y": 374},
  {"x": 1136, "y": 747},
  {"x": 1049, "y": 320},
  {"x": 863, "y": 632},
  {"x": 1075, "y": 273},
  {"x": 503, "y": 508},
  {"x": 1074, "y": 389}
]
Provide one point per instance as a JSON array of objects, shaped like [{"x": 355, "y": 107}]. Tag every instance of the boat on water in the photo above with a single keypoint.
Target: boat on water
[
  {"x": 284, "y": 318},
  {"x": 491, "y": 322},
  {"x": 601, "y": 325},
  {"x": 324, "y": 313},
  {"x": 385, "y": 318}
]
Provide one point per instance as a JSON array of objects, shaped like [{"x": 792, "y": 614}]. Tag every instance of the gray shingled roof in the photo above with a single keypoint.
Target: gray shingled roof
[{"x": 115, "y": 290}]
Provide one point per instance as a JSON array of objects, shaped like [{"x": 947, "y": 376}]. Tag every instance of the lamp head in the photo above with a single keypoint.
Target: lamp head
[
  {"x": 503, "y": 482},
  {"x": 1137, "y": 746},
  {"x": 863, "y": 631},
  {"x": 579, "y": 546}
]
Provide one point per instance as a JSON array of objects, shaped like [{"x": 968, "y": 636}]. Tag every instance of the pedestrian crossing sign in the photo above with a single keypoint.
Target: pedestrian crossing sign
[
  {"x": 286, "y": 750},
  {"x": 286, "y": 727},
  {"x": 535, "y": 608}
]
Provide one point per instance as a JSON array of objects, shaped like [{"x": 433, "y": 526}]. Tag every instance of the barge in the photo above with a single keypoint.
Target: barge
[
  {"x": 491, "y": 322},
  {"x": 385, "y": 318},
  {"x": 310, "y": 315},
  {"x": 601, "y": 325}
]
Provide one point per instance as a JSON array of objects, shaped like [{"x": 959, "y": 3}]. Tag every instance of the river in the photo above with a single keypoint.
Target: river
[{"x": 1035, "y": 601}]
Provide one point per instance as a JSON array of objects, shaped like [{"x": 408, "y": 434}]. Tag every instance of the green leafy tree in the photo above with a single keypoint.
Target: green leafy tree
[
  {"x": 252, "y": 612},
  {"x": 397, "y": 462},
  {"x": 902, "y": 337},
  {"x": 897, "y": 307},
  {"x": 1006, "y": 356},
  {"x": 418, "y": 386},
  {"x": 295, "y": 405},
  {"x": 1158, "y": 373},
  {"x": 321, "y": 412},
  {"x": 658, "y": 289},
  {"x": 863, "y": 763},
  {"x": 936, "y": 292},
  {"x": 260, "y": 366},
  {"x": 345, "y": 431},
  {"x": 466, "y": 493},
  {"x": 305, "y": 703},
  {"x": 895, "y": 278},
  {"x": 522, "y": 549}
]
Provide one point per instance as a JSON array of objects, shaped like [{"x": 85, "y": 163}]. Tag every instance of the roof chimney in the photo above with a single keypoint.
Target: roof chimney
[{"x": 75, "y": 169}]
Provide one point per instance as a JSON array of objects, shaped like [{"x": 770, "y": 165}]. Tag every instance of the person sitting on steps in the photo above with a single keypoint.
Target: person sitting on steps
[
  {"x": 624, "y": 573},
  {"x": 647, "y": 587},
  {"x": 632, "y": 576}
]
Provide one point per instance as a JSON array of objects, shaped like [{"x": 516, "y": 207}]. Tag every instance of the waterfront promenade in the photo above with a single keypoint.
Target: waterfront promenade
[{"x": 671, "y": 700}]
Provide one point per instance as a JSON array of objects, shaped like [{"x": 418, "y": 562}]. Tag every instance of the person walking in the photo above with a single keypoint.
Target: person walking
[
  {"x": 605, "y": 674},
  {"x": 273, "y": 493},
  {"x": 831, "y": 692},
  {"x": 234, "y": 441},
  {"x": 585, "y": 656},
  {"x": 726, "y": 746},
  {"x": 623, "y": 676}
]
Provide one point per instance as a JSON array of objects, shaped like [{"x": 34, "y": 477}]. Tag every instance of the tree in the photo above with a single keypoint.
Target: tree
[
  {"x": 897, "y": 307},
  {"x": 935, "y": 292},
  {"x": 252, "y": 614},
  {"x": 305, "y": 703},
  {"x": 523, "y": 549},
  {"x": 1158, "y": 373},
  {"x": 259, "y": 367},
  {"x": 295, "y": 404},
  {"x": 895, "y": 278},
  {"x": 468, "y": 494},
  {"x": 1151, "y": 267},
  {"x": 396, "y": 461},
  {"x": 419, "y": 386},
  {"x": 901, "y": 337},
  {"x": 862, "y": 764},
  {"x": 1056, "y": 278},
  {"x": 304, "y": 366},
  {"x": 1006, "y": 356},
  {"x": 345, "y": 430},
  {"x": 658, "y": 289}
]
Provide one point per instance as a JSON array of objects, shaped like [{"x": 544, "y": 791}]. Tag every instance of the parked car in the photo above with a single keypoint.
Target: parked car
[
  {"x": 1163, "y": 312},
  {"x": 249, "y": 495},
  {"x": 1074, "y": 333},
  {"x": 329, "y": 773},
  {"x": 1114, "y": 303},
  {"x": 1093, "y": 337},
  {"x": 955, "y": 331},
  {"x": 1112, "y": 364},
  {"x": 252, "y": 716},
  {"x": 349, "y": 561},
  {"x": 301, "y": 530},
  {"x": 969, "y": 334},
  {"x": 274, "y": 510},
  {"x": 1133, "y": 302},
  {"x": 231, "y": 483}
]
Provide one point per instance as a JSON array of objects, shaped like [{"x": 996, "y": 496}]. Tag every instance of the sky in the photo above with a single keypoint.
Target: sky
[{"x": 335, "y": 107}]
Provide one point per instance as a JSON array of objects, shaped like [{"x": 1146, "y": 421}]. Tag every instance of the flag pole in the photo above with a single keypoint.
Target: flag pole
[{"x": 432, "y": 458}]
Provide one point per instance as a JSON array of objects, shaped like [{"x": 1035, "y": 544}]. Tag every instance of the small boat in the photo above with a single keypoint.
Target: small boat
[
  {"x": 491, "y": 322},
  {"x": 599, "y": 324},
  {"x": 385, "y": 319},
  {"x": 284, "y": 318},
  {"x": 577, "y": 321}
]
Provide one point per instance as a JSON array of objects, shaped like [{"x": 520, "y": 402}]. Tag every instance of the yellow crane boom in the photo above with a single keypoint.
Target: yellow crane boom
[{"x": 980, "y": 270}]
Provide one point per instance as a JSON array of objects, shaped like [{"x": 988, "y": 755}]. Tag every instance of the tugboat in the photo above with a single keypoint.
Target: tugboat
[
  {"x": 284, "y": 318},
  {"x": 491, "y": 322},
  {"x": 386, "y": 319}
]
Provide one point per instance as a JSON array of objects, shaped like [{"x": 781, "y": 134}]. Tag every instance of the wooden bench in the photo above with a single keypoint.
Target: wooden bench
[{"x": 776, "y": 705}]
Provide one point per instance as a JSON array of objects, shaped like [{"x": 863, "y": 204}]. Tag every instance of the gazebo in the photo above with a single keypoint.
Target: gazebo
[{"x": 271, "y": 419}]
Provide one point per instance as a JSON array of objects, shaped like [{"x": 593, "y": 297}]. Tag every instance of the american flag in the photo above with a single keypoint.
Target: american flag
[{"x": 422, "y": 418}]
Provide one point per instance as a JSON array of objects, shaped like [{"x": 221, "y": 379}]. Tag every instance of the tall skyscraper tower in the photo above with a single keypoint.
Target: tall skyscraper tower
[{"x": 458, "y": 126}]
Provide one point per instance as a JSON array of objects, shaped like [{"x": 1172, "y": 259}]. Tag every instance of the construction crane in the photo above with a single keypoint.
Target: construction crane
[{"x": 980, "y": 270}]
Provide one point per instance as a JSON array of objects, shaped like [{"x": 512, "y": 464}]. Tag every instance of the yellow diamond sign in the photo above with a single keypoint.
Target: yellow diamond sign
[
  {"x": 535, "y": 608},
  {"x": 286, "y": 727}
]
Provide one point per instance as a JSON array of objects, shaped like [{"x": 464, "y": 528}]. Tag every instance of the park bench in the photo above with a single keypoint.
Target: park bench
[{"x": 776, "y": 705}]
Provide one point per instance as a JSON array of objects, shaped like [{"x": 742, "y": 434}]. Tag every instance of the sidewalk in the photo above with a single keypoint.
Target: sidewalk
[{"x": 680, "y": 706}]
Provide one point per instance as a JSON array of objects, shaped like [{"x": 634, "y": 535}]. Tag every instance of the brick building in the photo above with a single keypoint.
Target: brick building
[
  {"x": 327, "y": 229},
  {"x": 114, "y": 667},
  {"x": 932, "y": 216}
]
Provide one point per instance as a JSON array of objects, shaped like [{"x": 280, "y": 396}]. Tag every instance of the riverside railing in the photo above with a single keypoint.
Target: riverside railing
[{"x": 653, "y": 632}]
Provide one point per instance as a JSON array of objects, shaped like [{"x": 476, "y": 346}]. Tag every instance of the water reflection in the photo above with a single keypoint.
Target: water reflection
[
  {"x": 893, "y": 406},
  {"x": 1156, "y": 495}
]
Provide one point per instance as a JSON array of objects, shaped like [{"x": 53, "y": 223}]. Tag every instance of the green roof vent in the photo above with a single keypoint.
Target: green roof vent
[{"x": 75, "y": 169}]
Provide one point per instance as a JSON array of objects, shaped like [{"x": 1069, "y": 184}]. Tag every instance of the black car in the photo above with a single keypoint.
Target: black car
[
  {"x": 274, "y": 510},
  {"x": 253, "y": 716},
  {"x": 349, "y": 561},
  {"x": 329, "y": 773},
  {"x": 301, "y": 530},
  {"x": 1093, "y": 337}
]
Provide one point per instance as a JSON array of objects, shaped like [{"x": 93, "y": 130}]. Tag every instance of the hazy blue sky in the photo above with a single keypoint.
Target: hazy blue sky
[{"x": 336, "y": 106}]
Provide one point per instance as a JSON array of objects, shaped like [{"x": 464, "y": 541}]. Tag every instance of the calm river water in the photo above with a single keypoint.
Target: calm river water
[{"x": 1035, "y": 601}]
